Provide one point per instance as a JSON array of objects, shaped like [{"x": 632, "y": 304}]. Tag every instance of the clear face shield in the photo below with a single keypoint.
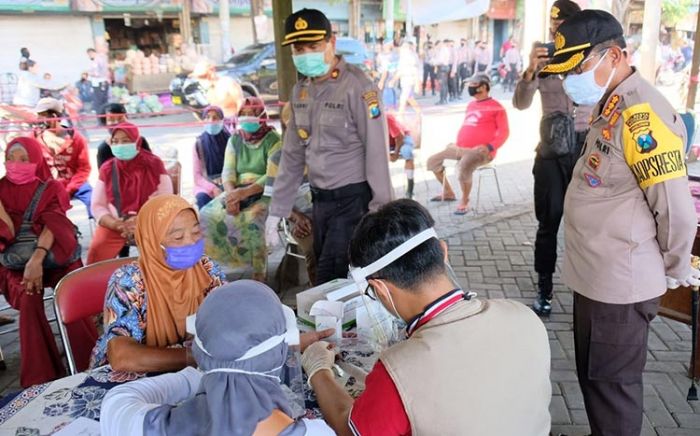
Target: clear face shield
[
  {"x": 290, "y": 375},
  {"x": 375, "y": 322}
]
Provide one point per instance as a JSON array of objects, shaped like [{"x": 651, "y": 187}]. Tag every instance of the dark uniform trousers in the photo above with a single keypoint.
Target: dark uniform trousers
[
  {"x": 552, "y": 177},
  {"x": 611, "y": 351},
  {"x": 443, "y": 78},
  {"x": 335, "y": 213}
]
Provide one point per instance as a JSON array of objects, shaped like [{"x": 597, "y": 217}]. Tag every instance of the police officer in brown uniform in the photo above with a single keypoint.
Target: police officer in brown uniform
[
  {"x": 556, "y": 155},
  {"x": 339, "y": 131},
  {"x": 629, "y": 221}
]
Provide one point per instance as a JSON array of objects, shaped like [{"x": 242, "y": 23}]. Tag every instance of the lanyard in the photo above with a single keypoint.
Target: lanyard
[{"x": 436, "y": 308}]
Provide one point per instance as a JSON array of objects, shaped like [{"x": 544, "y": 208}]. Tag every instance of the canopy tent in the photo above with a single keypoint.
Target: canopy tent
[{"x": 428, "y": 12}]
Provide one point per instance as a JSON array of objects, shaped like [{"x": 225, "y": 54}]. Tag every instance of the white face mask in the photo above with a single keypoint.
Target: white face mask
[{"x": 583, "y": 88}]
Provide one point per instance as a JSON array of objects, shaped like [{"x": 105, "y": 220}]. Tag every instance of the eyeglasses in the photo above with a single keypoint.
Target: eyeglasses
[
  {"x": 579, "y": 67},
  {"x": 369, "y": 292}
]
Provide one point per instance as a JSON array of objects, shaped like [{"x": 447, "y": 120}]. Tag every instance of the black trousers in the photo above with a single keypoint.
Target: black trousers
[
  {"x": 335, "y": 215},
  {"x": 100, "y": 96},
  {"x": 552, "y": 177},
  {"x": 428, "y": 73},
  {"x": 611, "y": 350},
  {"x": 443, "y": 78},
  {"x": 463, "y": 75},
  {"x": 452, "y": 85}
]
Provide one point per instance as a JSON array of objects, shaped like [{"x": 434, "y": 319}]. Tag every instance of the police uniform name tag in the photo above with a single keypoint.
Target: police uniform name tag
[{"x": 653, "y": 152}]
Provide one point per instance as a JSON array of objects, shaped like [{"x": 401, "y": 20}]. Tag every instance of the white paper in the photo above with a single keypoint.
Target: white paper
[
  {"x": 80, "y": 427},
  {"x": 329, "y": 314}
]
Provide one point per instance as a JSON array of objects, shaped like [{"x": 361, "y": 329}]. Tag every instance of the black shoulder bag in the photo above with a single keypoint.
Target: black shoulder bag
[
  {"x": 557, "y": 136},
  {"x": 16, "y": 256}
]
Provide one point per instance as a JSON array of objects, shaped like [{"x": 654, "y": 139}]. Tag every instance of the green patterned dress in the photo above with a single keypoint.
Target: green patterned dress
[{"x": 238, "y": 241}]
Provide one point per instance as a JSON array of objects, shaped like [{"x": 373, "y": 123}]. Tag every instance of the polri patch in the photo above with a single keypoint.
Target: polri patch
[
  {"x": 593, "y": 181},
  {"x": 652, "y": 150},
  {"x": 372, "y": 101}
]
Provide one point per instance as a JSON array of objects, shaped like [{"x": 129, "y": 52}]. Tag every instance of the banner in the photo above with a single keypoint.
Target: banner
[
  {"x": 35, "y": 5},
  {"x": 426, "y": 12},
  {"x": 127, "y": 5}
]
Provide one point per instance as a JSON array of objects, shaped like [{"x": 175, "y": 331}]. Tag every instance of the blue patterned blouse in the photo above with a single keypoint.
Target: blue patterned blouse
[{"x": 126, "y": 305}]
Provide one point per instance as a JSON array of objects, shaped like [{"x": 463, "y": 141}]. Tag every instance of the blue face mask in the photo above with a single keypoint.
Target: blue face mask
[
  {"x": 583, "y": 88},
  {"x": 214, "y": 127},
  {"x": 185, "y": 257},
  {"x": 311, "y": 64},
  {"x": 249, "y": 124},
  {"x": 125, "y": 151}
]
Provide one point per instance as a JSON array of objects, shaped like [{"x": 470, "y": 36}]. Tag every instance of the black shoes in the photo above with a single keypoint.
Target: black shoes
[{"x": 543, "y": 302}]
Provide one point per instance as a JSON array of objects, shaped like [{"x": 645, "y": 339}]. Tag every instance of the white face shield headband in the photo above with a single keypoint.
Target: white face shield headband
[
  {"x": 290, "y": 336},
  {"x": 360, "y": 274}
]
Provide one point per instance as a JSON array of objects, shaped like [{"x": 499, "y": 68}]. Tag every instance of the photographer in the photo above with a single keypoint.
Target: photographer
[{"x": 563, "y": 130}]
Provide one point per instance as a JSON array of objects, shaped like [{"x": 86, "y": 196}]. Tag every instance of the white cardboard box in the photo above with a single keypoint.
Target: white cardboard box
[{"x": 343, "y": 290}]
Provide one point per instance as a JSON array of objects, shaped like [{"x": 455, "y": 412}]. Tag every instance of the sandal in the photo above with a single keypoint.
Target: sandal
[
  {"x": 461, "y": 210},
  {"x": 441, "y": 198}
]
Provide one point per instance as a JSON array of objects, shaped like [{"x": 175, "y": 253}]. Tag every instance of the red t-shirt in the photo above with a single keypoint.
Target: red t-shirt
[
  {"x": 395, "y": 129},
  {"x": 485, "y": 122},
  {"x": 379, "y": 410},
  {"x": 70, "y": 164}
]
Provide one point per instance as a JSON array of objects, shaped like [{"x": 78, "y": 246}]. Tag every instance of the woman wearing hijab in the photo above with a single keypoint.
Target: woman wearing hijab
[
  {"x": 240, "y": 346},
  {"x": 234, "y": 224},
  {"x": 208, "y": 156},
  {"x": 28, "y": 179},
  {"x": 139, "y": 175},
  {"x": 148, "y": 300}
]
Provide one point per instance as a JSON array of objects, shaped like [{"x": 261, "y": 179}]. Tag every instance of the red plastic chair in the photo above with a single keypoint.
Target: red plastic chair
[{"x": 81, "y": 294}]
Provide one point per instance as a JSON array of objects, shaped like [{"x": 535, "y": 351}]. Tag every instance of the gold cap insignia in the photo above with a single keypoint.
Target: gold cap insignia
[
  {"x": 301, "y": 24},
  {"x": 559, "y": 41},
  {"x": 554, "y": 12},
  {"x": 303, "y": 134}
]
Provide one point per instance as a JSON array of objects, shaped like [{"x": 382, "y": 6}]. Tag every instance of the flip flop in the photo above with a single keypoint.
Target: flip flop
[
  {"x": 462, "y": 210},
  {"x": 440, "y": 198}
]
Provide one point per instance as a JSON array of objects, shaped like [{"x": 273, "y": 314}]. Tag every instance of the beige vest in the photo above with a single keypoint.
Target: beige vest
[{"x": 480, "y": 368}]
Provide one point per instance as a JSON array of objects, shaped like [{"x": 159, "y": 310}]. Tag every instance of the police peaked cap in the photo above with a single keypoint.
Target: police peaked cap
[
  {"x": 564, "y": 9},
  {"x": 576, "y": 37},
  {"x": 306, "y": 25}
]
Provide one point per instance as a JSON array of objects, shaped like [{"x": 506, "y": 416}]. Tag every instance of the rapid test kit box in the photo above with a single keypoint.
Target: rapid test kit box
[{"x": 330, "y": 305}]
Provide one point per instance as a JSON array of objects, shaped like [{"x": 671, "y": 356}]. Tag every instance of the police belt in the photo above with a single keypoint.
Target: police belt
[{"x": 323, "y": 195}]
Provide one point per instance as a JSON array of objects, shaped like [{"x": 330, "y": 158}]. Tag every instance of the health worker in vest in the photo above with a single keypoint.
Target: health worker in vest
[
  {"x": 339, "y": 131},
  {"x": 469, "y": 366},
  {"x": 629, "y": 220}
]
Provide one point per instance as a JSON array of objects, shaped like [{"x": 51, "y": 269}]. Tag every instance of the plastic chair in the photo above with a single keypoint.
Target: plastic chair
[
  {"x": 480, "y": 171},
  {"x": 690, "y": 126},
  {"x": 285, "y": 234},
  {"x": 81, "y": 294}
]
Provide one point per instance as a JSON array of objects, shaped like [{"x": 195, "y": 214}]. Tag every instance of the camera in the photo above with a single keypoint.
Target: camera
[{"x": 549, "y": 46}]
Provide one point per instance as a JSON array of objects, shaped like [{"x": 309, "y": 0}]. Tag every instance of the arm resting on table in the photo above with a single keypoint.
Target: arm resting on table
[{"x": 125, "y": 354}]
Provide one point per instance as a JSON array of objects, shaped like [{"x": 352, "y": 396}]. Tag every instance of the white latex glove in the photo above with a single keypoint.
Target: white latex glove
[
  {"x": 692, "y": 279},
  {"x": 271, "y": 236},
  {"x": 317, "y": 357}
]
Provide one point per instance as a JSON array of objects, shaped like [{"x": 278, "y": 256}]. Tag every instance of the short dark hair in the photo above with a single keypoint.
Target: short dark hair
[
  {"x": 110, "y": 108},
  {"x": 379, "y": 232},
  {"x": 615, "y": 42}
]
